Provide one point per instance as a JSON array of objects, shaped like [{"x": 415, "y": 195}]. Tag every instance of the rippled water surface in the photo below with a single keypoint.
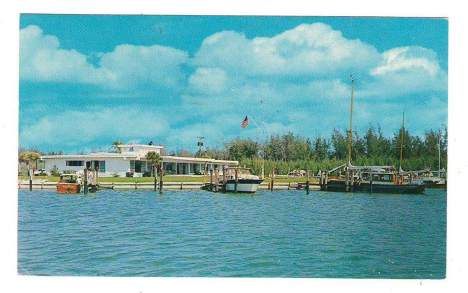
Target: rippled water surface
[{"x": 197, "y": 233}]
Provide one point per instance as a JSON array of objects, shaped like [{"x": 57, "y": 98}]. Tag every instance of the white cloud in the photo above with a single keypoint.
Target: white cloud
[
  {"x": 208, "y": 80},
  {"x": 42, "y": 59},
  {"x": 307, "y": 49},
  {"x": 408, "y": 59},
  {"x": 405, "y": 71},
  {"x": 129, "y": 66},
  {"x": 126, "y": 67},
  {"x": 294, "y": 81},
  {"x": 77, "y": 128},
  {"x": 286, "y": 63}
]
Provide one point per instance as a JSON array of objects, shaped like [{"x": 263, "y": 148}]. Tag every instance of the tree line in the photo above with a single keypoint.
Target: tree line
[{"x": 289, "y": 151}]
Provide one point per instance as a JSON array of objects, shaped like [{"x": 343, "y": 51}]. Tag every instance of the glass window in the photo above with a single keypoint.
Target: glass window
[
  {"x": 102, "y": 166},
  {"x": 132, "y": 165},
  {"x": 74, "y": 163}
]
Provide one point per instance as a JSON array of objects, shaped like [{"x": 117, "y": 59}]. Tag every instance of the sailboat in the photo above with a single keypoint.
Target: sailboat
[
  {"x": 435, "y": 179},
  {"x": 381, "y": 179}
]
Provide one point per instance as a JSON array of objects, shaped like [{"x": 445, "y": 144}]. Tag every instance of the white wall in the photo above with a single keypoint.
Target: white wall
[
  {"x": 117, "y": 166},
  {"x": 60, "y": 165}
]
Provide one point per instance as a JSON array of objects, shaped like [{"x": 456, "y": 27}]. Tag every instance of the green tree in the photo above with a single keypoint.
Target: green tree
[
  {"x": 242, "y": 148},
  {"x": 339, "y": 144},
  {"x": 115, "y": 146},
  {"x": 29, "y": 157},
  {"x": 321, "y": 148},
  {"x": 156, "y": 163}
]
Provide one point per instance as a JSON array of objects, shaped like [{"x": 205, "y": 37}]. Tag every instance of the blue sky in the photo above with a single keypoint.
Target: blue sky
[{"x": 86, "y": 81}]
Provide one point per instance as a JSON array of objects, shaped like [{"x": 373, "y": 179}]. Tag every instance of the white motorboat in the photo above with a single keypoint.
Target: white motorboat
[{"x": 241, "y": 180}]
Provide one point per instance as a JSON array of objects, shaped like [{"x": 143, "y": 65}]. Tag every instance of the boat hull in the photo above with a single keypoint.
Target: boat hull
[
  {"x": 436, "y": 185},
  {"x": 376, "y": 187},
  {"x": 440, "y": 184},
  {"x": 243, "y": 185},
  {"x": 68, "y": 187}
]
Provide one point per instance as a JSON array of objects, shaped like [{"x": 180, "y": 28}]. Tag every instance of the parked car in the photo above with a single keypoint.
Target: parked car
[
  {"x": 297, "y": 173},
  {"x": 40, "y": 172}
]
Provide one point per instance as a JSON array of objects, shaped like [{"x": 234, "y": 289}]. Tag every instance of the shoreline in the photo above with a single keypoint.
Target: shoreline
[{"x": 166, "y": 185}]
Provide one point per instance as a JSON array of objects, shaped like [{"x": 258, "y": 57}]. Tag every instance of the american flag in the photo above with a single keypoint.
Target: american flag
[{"x": 245, "y": 122}]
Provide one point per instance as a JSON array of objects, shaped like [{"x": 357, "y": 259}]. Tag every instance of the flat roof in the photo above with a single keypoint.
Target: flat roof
[
  {"x": 91, "y": 156},
  {"x": 130, "y": 156},
  {"x": 140, "y": 145},
  {"x": 200, "y": 160}
]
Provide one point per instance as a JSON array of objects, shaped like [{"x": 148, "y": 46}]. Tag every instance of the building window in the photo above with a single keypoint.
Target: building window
[
  {"x": 102, "y": 166},
  {"x": 74, "y": 163},
  {"x": 132, "y": 165}
]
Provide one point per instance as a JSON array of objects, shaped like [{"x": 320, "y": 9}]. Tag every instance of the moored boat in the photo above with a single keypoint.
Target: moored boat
[
  {"x": 69, "y": 183},
  {"x": 436, "y": 179},
  {"x": 378, "y": 179},
  {"x": 241, "y": 180}
]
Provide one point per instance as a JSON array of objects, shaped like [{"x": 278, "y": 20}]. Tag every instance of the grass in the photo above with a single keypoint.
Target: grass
[{"x": 168, "y": 178}]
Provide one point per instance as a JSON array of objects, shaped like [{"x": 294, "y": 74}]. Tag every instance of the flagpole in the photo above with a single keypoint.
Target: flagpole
[{"x": 263, "y": 152}]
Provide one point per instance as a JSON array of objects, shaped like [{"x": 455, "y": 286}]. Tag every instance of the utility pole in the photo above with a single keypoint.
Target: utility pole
[
  {"x": 200, "y": 144},
  {"x": 350, "y": 131},
  {"x": 438, "y": 146},
  {"x": 402, "y": 138}
]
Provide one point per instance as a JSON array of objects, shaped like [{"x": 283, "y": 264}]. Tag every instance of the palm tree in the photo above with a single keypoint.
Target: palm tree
[
  {"x": 115, "y": 146},
  {"x": 156, "y": 161},
  {"x": 29, "y": 157}
]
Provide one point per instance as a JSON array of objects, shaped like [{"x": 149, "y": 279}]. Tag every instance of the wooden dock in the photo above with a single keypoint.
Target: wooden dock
[{"x": 38, "y": 185}]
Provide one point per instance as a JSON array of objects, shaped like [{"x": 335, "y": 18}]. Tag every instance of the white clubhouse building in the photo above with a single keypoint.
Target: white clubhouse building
[{"x": 130, "y": 161}]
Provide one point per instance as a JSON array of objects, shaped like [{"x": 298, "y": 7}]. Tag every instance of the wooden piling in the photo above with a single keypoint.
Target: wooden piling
[
  {"x": 30, "y": 178},
  {"x": 224, "y": 179},
  {"x": 370, "y": 181},
  {"x": 326, "y": 180},
  {"x": 272, "y": 179},
  {"x": 155, "y": 180},
  {"x": 216, "y": 179},
  {"x": 347, "y": 180},
  {"x": 85, "y": 181},
  {"x": 161, "y": 180},
  {"x": 236, "y": 179},
  {"x": 307, "y": 182},
  {"x": 211, "y": 179}
]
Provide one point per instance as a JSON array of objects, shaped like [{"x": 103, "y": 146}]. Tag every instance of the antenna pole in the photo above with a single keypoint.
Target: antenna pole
[
  {"x": 350, "y": 131},
  {"x": 402, "y": 139},
  {"x": 438, "y": 173}
]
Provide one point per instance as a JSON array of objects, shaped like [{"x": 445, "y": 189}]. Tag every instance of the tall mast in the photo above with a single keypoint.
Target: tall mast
[
  {"x": 438, "y": 146},
  {"x": 350, "y": 131},
  {"x": 402, "y": 139}
]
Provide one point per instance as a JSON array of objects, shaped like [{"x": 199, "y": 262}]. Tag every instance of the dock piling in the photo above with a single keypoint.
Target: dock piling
[
  {"x": 307, "y": 182},
  {"x": 155, "y": 180},
  {"x": 85, "y": 181},
  {"x": 216, "y": 179},
  {"x": 30, "y": 178},
  {"x": 237, "y": 180},
  {"x": 211, "y": 179},
  {"x": 224, "y": 179},
  {"x": 161, "y": 180},
  {"x": 272, "y": 184}
]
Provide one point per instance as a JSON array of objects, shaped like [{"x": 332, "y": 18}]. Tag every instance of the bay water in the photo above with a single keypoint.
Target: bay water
[{"x": 198, "y": 233}]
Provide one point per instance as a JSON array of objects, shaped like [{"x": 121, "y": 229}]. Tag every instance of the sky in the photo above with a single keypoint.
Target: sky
[{"x": 88, "y": 80}]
